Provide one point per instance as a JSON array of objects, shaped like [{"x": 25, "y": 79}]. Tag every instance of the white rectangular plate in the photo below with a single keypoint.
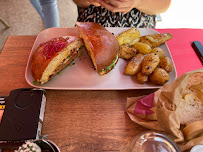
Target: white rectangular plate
[{"x": 82, "y": 75}]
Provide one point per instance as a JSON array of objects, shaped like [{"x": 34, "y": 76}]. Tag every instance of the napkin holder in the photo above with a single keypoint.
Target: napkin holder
[{"x": 23, "y": 116}]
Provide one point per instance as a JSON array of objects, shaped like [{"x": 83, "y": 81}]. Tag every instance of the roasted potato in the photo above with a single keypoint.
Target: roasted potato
[
  {"x": 149, "y": 63},
  {"x": 159, "y": 76},
  {"x": 142, "y": 78},
  {"x": 166, "y": 63},
  {"x": 142, "y": 47},
  {"x": 156, "y": 40},
  {"x": 134, "y": 65},
  {"x": 129, "y": 37},
  {"x": 127, "y": 52},
  {"x": 158, "y": 51}
]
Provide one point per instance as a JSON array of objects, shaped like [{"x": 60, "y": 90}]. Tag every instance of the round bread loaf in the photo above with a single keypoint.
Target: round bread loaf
[
  {"x": 54, "y": 55},
  {"x": 102, "y": 46}
]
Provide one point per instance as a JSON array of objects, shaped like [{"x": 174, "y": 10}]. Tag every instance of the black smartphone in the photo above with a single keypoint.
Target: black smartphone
[{"x": 21, "y": 118}]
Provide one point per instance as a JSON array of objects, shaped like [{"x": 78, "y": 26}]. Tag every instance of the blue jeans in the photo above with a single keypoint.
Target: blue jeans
[{"x": 48, "y": 10}]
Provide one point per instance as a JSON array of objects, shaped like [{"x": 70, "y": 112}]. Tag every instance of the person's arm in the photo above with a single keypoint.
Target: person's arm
[
  {"x": 82, "y": 3},
  {"x": 85, "y": 3},
  {"x": 153, "y": 7},
  {"x": 150, "y": 7}
]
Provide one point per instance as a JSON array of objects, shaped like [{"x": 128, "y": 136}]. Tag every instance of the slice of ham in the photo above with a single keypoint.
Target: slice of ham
[{"x": 144, "y": 105}]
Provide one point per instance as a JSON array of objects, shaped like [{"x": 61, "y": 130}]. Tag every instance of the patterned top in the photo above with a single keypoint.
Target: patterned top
[{"x": 134, "y": 18}]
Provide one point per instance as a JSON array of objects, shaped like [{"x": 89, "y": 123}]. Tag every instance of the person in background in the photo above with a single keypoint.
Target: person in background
[
  {"x": 121, "y": 13},
  {"x": 48, "y": 10}
]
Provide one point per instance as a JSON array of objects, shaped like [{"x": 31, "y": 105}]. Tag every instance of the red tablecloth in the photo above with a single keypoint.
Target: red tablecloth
[{"x": 184, "y": 56}]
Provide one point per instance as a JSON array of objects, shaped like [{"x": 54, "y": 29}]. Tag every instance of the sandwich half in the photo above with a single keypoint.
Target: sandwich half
[
  {"x": 53, "y": 56},
  {"x": 101, "y": 45}
]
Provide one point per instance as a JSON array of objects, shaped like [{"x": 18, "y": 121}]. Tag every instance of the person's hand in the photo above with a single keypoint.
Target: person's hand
[
  {"x": 93, "y": 2},
  {"x": 122, "y": 6}
]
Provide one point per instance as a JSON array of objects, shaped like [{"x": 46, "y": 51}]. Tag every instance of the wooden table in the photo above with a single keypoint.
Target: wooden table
[
  {"x": 84, "y": 120},
  {"x": 74, "y": 120}
]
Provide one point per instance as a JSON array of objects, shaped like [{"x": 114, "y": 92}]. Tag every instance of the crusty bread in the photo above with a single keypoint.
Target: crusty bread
[
  {"x": 190, "y": 109},
  {"x": 197, "y": 92},
  {"x": 102, "y": 46},
  {"x": 45, "y": 63},
  {"x": 193, "y": 130}
]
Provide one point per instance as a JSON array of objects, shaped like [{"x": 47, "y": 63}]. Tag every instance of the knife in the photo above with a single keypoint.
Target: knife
[{"x": 197, "y": 46}]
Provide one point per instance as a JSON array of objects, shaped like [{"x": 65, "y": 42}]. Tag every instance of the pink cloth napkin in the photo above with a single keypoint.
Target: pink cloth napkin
[
  {"x": 184, "y": 56},
  {"x": 144, "y": 105}
]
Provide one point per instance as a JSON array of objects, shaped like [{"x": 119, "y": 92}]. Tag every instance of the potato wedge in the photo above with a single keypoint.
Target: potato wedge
[
  {"x": 129, "y": 37},
  {"x": 149, "y": 63},
  {"x": 142, "y": 78},
  {"x": 166, "y": 63},
  {"x": 156, "y": 40},
  {"x": 127, "y": 52},
  {"x": 134, "y": 65},
  {"x": 142, "y": 47},
  {"x": 159, "y": 76},
  {"x": 158, "y": 51}
]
